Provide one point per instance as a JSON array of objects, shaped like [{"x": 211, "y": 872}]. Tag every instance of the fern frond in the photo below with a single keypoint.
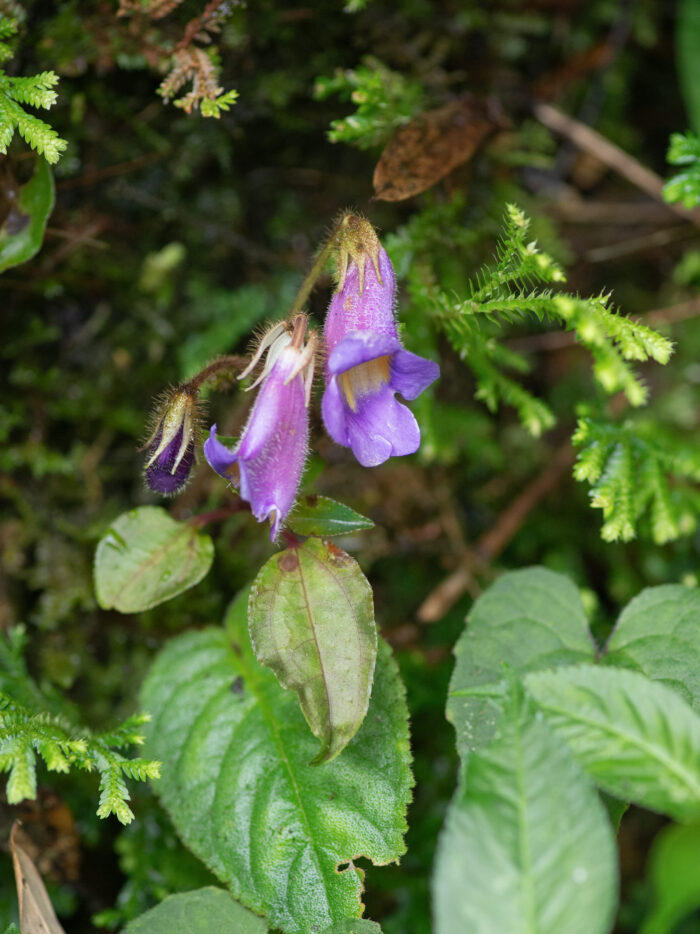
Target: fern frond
[
  {"x": 515, "y": 287},
  {"x": 34, "y": 90},
  {"x": 30, "y": 730},
  {"x": 635, "y": 472}
]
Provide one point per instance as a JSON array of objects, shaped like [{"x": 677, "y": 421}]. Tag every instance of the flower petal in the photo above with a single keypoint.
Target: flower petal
[
  {"x": 335, "y": 413},
  {"x": 370, "y": 309},
  {"x": 219, "y": 457},
  {"x": 381, "y": 428},
  {"x": 359, "y": 347},
  {"x": 160, "y": 475},
  {"x": 411, "y": 374}
]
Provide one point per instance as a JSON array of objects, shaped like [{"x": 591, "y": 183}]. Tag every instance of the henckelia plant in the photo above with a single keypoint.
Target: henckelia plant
[{"x": 283, "y": 734}]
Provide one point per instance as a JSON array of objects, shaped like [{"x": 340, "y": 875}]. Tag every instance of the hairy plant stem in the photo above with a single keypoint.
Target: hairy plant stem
[
  {"x": 218, "y": 366},
  {"x": 313, "y": 274}
]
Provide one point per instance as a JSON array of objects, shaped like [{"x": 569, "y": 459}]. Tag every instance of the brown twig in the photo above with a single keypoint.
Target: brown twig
[
  {"x": 611, "y": 155},
  {"x": 574, "y": 210},
  {"x": 195, "y": 26},
  {"x": 495, "y": 540},
  {"x": 658, "y": 238}
]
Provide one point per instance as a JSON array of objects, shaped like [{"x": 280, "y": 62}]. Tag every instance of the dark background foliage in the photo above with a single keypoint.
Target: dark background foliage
[{"x": 174, "y": 235}]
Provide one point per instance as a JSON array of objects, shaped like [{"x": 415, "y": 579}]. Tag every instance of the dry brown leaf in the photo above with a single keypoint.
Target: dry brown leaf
[
  {"x": 425, "y": 150},
  {"x": 36, "y": 914}
]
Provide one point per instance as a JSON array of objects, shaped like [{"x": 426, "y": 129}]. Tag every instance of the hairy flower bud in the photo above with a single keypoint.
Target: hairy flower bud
[
  {"x": 271, "y": 453},
  {"x": 171, "y": 449},
  {"x": 366, "y": 364}
]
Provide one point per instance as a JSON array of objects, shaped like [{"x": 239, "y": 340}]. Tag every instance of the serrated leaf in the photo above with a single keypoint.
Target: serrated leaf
[
  {"x": 674, "y": 878},
  {"x": 202, "y": 911},
  {"x": 311, "y": 620},
  {"x": 146, "y": 558},
  {"x": 527, "y": 847},
  {"x": 658, "y": 634},
  {"x": 22, "y": 232},
  {"x": 528, "y": 619},
  {"x": 635, "y": 737},
  {"x": 237, "y": 784},
  {"x": 325, "y": 517},
  {"x": 350, "y": 926}
]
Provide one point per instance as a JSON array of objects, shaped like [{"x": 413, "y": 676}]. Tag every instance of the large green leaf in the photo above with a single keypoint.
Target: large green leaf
[
  {"x": 528, "y": 619},
  {"x": 658, "y": 633},
  {"x": 325, "y": 517},
  {"x": 22, "y": 232},
  {"x": 674, "y": 878},
  {"x": 146, "y": 558},
  {"x": 636, "y": 738},
  {"x": 354, "y": 927},
  {"x": 202, "y": 911},
  {"x": 237, "y": 784},
  {"x": 311, "y": 620},
  {"x": 527, "y": 847}
]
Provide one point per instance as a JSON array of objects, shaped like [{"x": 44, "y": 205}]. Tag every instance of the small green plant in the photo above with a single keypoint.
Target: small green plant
[
  {"x": 32, "y": 725},
  {"x": 634, "y": 468},
  {"x": 684, "y": 149},
  {"x": 34, "y": 90},
  {"x": 385, "y": 100}
]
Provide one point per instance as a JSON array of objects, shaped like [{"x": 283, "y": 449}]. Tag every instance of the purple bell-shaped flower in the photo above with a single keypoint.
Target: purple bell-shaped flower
[
  {"x": 366, "y": 364},
  {"x": 269, "y": 458}
]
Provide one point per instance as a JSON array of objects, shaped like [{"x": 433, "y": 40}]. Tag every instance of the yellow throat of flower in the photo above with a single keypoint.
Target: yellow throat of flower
[{"x": 363, "y": 379}]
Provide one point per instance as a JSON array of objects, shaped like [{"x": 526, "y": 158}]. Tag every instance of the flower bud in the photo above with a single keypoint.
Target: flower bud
[
  {"x": 271, "y": 453},
  {"x": 171, "y": 449}
]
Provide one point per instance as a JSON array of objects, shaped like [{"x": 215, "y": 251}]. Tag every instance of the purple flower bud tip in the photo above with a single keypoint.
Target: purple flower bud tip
[
  {"x": 272, "y": 449},
  {"x": 367, "y": 365},
  {"x": 171, "y": 451},
  {"x": 166, "y": 476}
]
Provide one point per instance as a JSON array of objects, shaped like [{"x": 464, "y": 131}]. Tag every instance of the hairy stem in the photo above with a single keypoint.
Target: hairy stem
[{"x": 313, "y": 274}]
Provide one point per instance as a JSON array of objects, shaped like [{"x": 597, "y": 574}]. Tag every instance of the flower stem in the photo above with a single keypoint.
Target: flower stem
[
  {"x": 229, "y": 363},
  {"x": 313, "y": 274}
]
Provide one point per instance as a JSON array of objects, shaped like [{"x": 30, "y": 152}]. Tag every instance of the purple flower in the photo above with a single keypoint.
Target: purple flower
[
  {"x": 366, "y": 362},
  {"x": 271, "y": 453},
  {"x": 171, "y": 449}
]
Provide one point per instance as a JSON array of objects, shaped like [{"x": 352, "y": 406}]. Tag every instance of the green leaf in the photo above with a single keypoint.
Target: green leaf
[
  {"x": 311, "y": 620},
  {"x": 325, "y": 517},
  {"x": 350, "y": 926},
  {"x": 202, "y": 911},
  {"x": 687, "y": 61},
  {"x": 527, "y": 847},
  {"x": 22, "y": 239},
  {"x": 636, "y": 738},
  {"x": 238, "y": 787},
  {"x": 658, "y": 634},
  {"x": 675, "y": 881},
  {"x": 528, "y": 619},
  {"x": 146, "y": 558}
]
